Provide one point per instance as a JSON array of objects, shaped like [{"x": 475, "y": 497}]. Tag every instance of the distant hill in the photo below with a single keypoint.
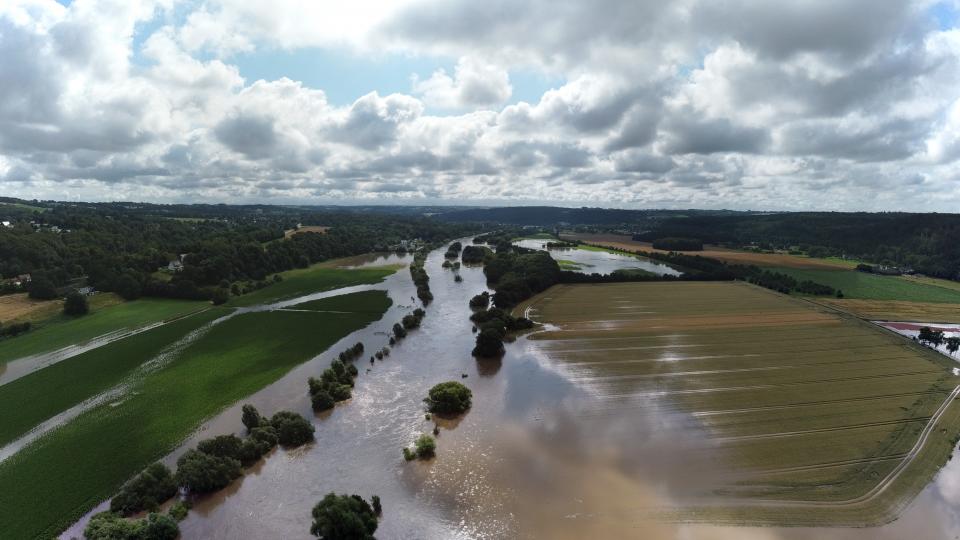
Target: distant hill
[{"x": 555, "y": 215}]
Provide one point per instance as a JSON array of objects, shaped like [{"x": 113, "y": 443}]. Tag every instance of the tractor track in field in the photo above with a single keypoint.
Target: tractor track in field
[{"x": 905, "y": 460}]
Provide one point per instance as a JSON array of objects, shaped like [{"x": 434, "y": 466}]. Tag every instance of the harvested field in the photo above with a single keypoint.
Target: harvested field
[
  {"x": 623, "y": 241},
  {"x": 895, "y": 310},
  {"x": 813, "y": 417},
  {"x": 18, "y": 306}
]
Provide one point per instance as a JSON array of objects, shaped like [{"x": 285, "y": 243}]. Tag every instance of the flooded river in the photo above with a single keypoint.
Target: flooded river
[
  {"x": 542, "y": 453},
  {"x": 599, "y": 262}
]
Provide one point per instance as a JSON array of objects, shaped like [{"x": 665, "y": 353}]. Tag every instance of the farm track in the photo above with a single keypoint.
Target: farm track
[{"x": 781, "y": 434}]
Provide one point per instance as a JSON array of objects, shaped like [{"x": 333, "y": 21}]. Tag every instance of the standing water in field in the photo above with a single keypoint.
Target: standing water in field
[
  {"x": 912, "y": 331},
  {"x": 588, "y": 261}
]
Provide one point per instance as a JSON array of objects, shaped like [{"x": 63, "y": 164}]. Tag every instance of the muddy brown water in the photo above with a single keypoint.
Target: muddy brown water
[{"x": 543, "y": 453}]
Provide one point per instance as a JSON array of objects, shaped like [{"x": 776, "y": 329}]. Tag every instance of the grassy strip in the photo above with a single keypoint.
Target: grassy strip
[
  {"x": 56, "y": 480},
  {"x": 361, "y": 302},
  {"x": 43, "y": 394},
  {"x": 860, "y": 285},
  {"x": 64, "y": 331},
  {"x": 317, "y": 278}
]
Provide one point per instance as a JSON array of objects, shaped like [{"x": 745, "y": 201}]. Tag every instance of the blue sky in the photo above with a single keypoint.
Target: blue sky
[{"x": 344, "y": 76}]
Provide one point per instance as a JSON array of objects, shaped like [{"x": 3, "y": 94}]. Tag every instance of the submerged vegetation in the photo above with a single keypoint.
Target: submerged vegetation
[
  {"x": 448, "y": 397},
  {"x": 345, "y": 517},
  {"x": 425, "y": 447}
]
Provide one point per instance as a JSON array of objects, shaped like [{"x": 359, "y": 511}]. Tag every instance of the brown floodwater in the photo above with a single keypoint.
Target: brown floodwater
[{"x": 545, "y": 452}]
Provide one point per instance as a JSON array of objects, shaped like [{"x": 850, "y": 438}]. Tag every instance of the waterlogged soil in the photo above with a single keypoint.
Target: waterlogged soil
[
  {"x": 549, "y": 450},
  {"x": 599, "y": 262},
  {"x": 912, "y": 331}
]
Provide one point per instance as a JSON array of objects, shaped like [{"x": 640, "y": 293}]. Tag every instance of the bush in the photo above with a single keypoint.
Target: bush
[
  {"x": 322, "y": 401},
  {"x": 266, "y": 435},
  {"x": 199, "y": 472},
  {"x": 292, "y": 429},
  {"x": 128, "y": 287},
  {"x": 220, "y": 296},
  {"x": 343, "y": 517},
  {"x": 42, "y": 289},
  {"x": 489, "y": 343},
  {"x": 449, "y": 397},
  {"x": 225, "y": 446},
  {"x": 75, "y": 305},
  {"x": 111, "y": 526},
  {"x": 252, "y": 418},
  {"x": 425, "y": 447},
  {"x": 480, "y": 301},
  {"x": 146, "y": 491},
  {"x": 179, "y": 510}
]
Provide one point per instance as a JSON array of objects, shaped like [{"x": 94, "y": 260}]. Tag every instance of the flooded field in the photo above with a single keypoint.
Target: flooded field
[
  {"x": 597, "y": 261},
  {"x": 802, "y": 408},
  {"x": 912, "y": 330},
  {"x": 589, "y": 429}
]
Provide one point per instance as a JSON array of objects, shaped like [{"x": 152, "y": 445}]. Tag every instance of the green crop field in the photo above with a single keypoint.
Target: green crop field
[
  {"x": 801, "y": 410},
  {"x": 319, "y": 277},
  {"x": 861, "y": 285},
  {"x": 55, "y": 480},
  {"x": 54, "y": 389},
  {"x": 66, "y": 331},
  {"x": 360, "y": 302}
]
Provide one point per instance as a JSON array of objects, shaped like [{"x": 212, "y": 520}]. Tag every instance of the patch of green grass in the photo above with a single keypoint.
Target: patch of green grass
[
  {"x": 63, "y": 331},
  {"x": 585, "y": 247},
  {"x": 317, "y": 278},
  {"x": 54, "y": 481},
  {"x": 571, "y": 265},
  {"x": 21, "y": 206},
  {"x": 874, "y": 287},
  {"x": 537, "y": 236},
  {"x": 49, "y": 391},
  {"x": 361, "y": 302}
]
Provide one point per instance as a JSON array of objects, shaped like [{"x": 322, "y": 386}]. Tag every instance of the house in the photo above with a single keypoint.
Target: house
[
  {"x": 7, "y": 224},
  {"x": 175, "y": 266},
  {"x": 21, "y": 280},
  {"x": 86, "y": 291}
]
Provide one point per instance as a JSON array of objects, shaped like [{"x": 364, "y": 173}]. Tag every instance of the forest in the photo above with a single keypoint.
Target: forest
[{"x": 119, "y": 247}]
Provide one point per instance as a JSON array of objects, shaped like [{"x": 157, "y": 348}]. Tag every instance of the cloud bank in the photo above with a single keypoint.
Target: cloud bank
[{"x": 798, "y": 104}]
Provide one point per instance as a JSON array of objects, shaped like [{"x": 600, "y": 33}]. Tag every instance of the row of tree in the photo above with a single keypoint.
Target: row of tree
[
  {"x": 937, "y": 338},
  {"x": 209, "y": 467}
]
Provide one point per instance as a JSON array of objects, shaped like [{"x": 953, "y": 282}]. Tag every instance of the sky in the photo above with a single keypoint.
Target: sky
[{"x": 739, "y": 104}]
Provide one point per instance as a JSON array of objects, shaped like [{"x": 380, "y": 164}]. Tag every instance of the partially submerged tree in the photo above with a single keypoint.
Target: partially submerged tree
[
  {"x": 199, "y": 472},
  {"x": 145, "y": 491},
  {"x": 449, "y": 397},
  {"x": 111, "y": 526},
  {"x": 292, "y": 429},
  {"x": 344, "y": 517}
]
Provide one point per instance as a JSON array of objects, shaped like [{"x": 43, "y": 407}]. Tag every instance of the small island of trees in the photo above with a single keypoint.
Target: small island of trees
[
  {"x": 425, "y": 447},
  {"x": 448, "y": 397},
  {"x": 345, "y": 517}
]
